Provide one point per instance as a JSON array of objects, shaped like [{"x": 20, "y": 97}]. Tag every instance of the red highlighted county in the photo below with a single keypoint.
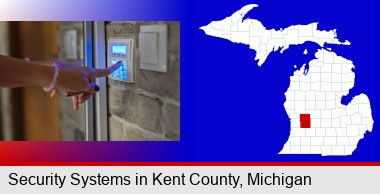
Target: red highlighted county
[{"x": 305, "y": 120}]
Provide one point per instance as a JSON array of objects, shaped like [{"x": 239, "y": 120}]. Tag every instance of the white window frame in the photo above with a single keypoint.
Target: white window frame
[{"x": 96, "y": 107}]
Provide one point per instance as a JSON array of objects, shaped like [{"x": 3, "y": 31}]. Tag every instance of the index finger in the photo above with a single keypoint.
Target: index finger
[{"x": 105, "y": 72}]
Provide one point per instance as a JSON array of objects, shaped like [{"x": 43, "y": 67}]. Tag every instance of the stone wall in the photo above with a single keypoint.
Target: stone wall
[{"x": 149, "y": 109}]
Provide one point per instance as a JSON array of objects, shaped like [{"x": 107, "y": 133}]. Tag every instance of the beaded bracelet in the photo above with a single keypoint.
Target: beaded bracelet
[{"x": 54, "y": 82}]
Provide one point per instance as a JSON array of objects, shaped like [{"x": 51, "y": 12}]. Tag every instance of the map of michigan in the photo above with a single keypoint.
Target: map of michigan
[
  {"x": 264, "y": 41},
  {"x": 320, "y": 123},
  {"x": 332, "y": 128}
]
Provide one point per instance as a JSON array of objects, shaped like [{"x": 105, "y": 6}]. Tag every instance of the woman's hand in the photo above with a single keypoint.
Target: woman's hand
[
  {"x": 73, "y": 79},
  {"x": 78, "y": 82}
]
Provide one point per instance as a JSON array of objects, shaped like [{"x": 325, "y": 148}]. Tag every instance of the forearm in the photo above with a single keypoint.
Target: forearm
[{"x": 19, "y": 73}]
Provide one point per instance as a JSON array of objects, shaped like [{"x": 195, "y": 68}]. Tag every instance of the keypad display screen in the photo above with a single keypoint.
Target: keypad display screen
[
  {"x": 119, "y": 49},
  {"x": 121, "y": 72}
]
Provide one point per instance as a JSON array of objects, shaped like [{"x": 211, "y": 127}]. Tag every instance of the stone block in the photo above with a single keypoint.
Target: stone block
[
  {"x": 163, "y": 84},
  {"x": 121, "y": 130},
  {"x": 133, "y": 133},
  {"x": 122, "y": 103},
  {"x": 121, "y": 29},
  {"x": 149, "y": 113},
  {"x": 115, "y": 130},
  {"x": 174, "y": 37}
]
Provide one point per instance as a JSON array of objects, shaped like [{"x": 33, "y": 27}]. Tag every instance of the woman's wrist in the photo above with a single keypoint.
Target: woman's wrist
[
  {"x": 53, "y": 83},
  {"x": 44, "y": 75}
]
